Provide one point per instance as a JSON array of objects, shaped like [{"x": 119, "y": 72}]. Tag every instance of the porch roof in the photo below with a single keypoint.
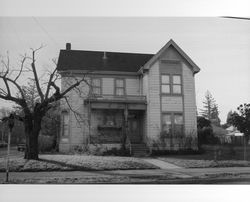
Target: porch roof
[{"x": 116, "y": 104}]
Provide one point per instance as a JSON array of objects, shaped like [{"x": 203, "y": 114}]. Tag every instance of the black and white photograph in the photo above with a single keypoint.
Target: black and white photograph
[{"x": 124, "y": 100}]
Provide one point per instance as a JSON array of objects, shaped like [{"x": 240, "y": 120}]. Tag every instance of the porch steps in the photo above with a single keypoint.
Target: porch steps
[{"x": 139, "y": 150}]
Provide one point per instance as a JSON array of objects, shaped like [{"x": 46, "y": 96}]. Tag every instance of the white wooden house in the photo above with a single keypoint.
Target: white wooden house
[{"x": 149, "y": 97}]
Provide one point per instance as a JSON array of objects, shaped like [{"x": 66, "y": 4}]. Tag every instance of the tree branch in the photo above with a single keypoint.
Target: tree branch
[
  {"x": 49, "y": 83},
  {"x": 21, "y": 69},
  {"x": 35, "y": 73},
  {"x": 76, "y": 114}
]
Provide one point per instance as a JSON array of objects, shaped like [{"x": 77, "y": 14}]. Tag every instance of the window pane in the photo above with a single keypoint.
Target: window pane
[
  {"x": 110, "y": 120},
  {"x": 96, "y": 91},
  {"x": 177, "y": 89},
  {"x": 167, "y": 129},
  {"x": 65, "y": 130},
  {"x": 166, "y": 119},
  {"x": 176, "y": 79},
  {"x": 165, "y": 79},
  {"x": 178, "y": 119},
  {"x": 119, "y": 91},
  {"x": 96, "y": 82},
  {"x": 65, "y": 116},
  {"x": 119, "y": 83},
  {"x": 166, "y": 124},
  {"x": 178, "y": 131},
  {"x": 165, "y": 88}
]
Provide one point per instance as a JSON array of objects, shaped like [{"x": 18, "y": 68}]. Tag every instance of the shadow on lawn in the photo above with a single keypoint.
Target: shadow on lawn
[{"x": 72, "y": 166}]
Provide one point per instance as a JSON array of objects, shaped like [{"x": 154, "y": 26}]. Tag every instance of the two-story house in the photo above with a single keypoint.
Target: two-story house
[{"x": 149, "y": 97}]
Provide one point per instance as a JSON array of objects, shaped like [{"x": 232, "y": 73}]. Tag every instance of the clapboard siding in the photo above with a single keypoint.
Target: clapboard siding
[
  {"x": 172, "y": 104},
  {"x": 145, "y": 84},
  {"x": 132, "y": 86},
  {"x": 77, "y": 128},
  {"x": 189, "y": 101},
  {"x": 153, "y": 109},
  {"x": 145, "y": 91}
]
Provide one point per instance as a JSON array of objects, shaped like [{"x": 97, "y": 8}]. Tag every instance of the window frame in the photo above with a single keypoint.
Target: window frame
[
  {"x": 96, "y": 87},
  {"x": 173, "y": 125},
  {"x": 171, "y": 84},
  {"x": 65, "y": 125},
  {"x": 116, "y": 87}
]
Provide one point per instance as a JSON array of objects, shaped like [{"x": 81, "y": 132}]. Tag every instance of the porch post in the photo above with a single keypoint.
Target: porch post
[
  {"x": 125, "y": 137},
  {"x": 89, "y": 123}
]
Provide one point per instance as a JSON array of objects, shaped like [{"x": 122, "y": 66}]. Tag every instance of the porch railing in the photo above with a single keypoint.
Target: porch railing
[{"x": 139, "y": 98}]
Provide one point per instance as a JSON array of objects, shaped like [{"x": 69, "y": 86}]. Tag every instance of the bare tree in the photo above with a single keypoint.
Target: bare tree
[{"x": 48, "y": 93}]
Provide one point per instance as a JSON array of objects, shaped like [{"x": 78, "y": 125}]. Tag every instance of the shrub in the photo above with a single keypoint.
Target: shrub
[
  {"x": 116, "y": 152},
  {"x": 46, "y": 143},
  {"x": 206, "y": 136},
  {"x": 80, "y": 149},
  {"x": 187, "y": 151}
]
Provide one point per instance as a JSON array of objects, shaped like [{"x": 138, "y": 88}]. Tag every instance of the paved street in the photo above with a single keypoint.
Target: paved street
[{"x": 158, "y": 176}]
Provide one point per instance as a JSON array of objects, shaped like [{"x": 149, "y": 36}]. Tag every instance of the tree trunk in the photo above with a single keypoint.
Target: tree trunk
[
  {"x": 31, "y": 151},
  {"x": 32, "y": 129}
]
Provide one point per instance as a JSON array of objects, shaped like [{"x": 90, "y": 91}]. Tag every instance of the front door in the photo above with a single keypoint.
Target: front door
[{"x": 134, "y": 128}]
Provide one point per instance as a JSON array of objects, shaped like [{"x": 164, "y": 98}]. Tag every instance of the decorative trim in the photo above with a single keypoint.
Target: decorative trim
[
  {"x": 195, "y": 68},
  {"x": 87, "y": 72}
]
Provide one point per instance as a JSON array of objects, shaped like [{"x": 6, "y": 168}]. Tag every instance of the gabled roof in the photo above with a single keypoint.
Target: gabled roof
[
  {"x": 95, "y": 61},
  {"x": 196, "y": 69}
]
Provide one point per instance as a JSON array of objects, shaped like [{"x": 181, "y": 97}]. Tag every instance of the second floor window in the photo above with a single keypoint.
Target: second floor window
[
  {"x": 96, "y": 86},
  {"x": 171, "y": 84},
  {"x": 165, "y": 84},
  {"x": 176, "y": 84},
  {"x": 119, "y": 87}
]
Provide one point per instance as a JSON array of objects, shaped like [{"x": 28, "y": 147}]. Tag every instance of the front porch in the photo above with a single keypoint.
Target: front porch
[{"x": 115, "y": 120}]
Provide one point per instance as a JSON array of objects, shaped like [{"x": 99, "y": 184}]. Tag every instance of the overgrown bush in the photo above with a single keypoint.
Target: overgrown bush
[
  {"x": 80, "y": 149},
  {"x": 116, "y": 152},
  {"x": 187, "y": 151},
  {"x": 206, "y": 136},
  {"x": 46, "y": 143}
]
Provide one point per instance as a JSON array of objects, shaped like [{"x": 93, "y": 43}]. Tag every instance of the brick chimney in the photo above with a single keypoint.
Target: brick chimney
[
  {"x": 104, "y": 56},
  {"x": 68, "y": 46}
]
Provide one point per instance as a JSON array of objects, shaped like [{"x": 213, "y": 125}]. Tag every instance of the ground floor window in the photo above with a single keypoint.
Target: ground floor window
[
  {"x": 172, "y": 124},
  {"x": 65, "y": 123}
]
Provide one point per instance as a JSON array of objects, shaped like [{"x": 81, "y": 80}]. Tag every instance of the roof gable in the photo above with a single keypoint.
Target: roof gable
[{"x": 196, "y": 69}]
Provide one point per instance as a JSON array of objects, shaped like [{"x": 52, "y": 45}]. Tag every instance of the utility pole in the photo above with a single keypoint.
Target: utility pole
[{"x": 10, "y": 120}]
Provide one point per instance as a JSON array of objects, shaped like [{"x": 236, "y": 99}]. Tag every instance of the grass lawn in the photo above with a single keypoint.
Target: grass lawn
[{"x": 75, "y": 162}]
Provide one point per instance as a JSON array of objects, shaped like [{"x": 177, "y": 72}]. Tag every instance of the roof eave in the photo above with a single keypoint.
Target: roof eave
[{"x": 196, "y": 69}]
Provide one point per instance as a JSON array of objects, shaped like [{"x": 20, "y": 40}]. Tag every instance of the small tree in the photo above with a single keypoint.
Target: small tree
[
  {"x": 241, "y": 120},
  {"x": 49, "y": 93},
  {"x": 210, "y": 110}
]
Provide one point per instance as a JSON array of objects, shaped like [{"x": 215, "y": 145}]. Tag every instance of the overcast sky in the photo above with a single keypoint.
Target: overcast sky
[{"x": 219, "y": 46}]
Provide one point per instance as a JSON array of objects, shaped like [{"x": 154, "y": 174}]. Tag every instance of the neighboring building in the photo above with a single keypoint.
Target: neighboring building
[{"x": 149, "y": 97}]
